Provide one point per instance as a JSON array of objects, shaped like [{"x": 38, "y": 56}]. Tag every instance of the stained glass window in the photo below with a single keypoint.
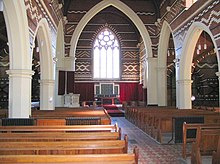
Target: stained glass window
[{"x": 106, "y": 56}]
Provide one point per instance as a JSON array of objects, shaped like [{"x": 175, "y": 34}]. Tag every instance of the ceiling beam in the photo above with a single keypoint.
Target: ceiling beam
[
  {"x": 66, "y": 7},
  {"x": 157, "y": 8}
]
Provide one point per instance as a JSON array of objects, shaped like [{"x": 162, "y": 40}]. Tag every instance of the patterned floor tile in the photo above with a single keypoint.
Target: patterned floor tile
[{"x": 150, "y": 151}]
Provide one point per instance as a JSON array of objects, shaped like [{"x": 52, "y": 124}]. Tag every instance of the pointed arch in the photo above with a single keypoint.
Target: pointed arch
[
  {"x": 60, "y": 51},
  {"x": 47, "y": 76},
  {"x": 185, "y": 65},
  {"x": 123, "y": 8},
  {"x": 189, "y": 45},
  {"x": 19, "y": 58},
  {"x": 42, "y": 34},
  {"x": 162, "y": 63},
  {"x": 17, "y": 28},
  {"x": 60, "y": 48},
  {"x": 163, "y": 44}
]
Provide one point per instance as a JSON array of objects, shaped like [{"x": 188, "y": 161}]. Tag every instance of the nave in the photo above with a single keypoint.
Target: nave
[{"x": 150, "y": 151}]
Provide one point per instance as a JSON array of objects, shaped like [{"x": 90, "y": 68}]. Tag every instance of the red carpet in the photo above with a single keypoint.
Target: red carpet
[{"x": 113, "y": 111}]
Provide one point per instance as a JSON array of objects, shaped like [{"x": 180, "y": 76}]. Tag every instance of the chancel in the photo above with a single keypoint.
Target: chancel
[{"x": 109, "y": 81}]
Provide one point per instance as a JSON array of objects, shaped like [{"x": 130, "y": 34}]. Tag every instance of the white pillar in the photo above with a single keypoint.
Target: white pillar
[
  {"x": 69, "y": 63},
  {"x": 19, "y": 93},
  {"x": 176, "y": 61},
  {"x": 151, "y": 81},
  {"x": 185, "y": 94},
  {"x": 218, "y": 74},
  {"x": 162, "y": 86},
  {"x": 46, "y": 94}
]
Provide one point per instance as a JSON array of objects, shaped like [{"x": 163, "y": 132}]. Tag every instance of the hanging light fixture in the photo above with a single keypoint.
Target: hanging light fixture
[
  {"x": 168, "y": 52},
  {"x": 205, "y": 45},
  {"x": 197, "y": 51},
  {"x": 199, "y": 47}
]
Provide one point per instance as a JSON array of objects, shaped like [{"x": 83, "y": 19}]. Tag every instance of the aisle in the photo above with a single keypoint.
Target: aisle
[{"x": 150, "y": 152}]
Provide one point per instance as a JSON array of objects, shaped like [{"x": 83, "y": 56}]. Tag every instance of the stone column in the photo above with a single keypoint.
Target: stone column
[
  {"x": 19, "y": 93},
  {"x": 162, "y": 86},
  {"x": 151, "y": 81},
  {"x": 185, "y": 94},
  {"x": 46, "y": 94},
  {"x": 176, "y": 61},
  {"x": 218, "y": 74}
]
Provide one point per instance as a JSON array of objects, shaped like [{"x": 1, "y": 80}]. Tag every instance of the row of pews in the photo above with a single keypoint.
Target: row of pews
[
  {"x": 76, "y": 116},
  {"x": 62, "y": 116},
  {"x": 206, "y": 142},
  {"x": 51, "y": 143},
  {"x": 204, "y": 138}
]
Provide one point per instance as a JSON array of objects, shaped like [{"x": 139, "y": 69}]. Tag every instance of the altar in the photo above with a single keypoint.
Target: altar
[{"x": 71, "y": 100}]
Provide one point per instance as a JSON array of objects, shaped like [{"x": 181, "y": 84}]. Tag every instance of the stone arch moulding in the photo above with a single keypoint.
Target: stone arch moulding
[
  {"x": 47, "y": 80},
  {"x": 60, "y": 51},
  {"x": 17, "y": 28},
  {"x": 188, "y": 48},
  {"x": 60, "y": 48},
  {"x": 185, "y": 64},
  {"x": 123, "y": 8},
  {"x": 19, "y": 57},
  {"x": 162, "y": 67},
  {"x": 43, "y": 36},
  {"x": 164, "y": 43}
]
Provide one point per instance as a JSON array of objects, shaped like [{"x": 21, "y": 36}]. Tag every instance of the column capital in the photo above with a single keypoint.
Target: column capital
[
  {"x": 217, "y": 74},
  {"x": 69, "y": 63},
  {"x": 20, "y": 73}
]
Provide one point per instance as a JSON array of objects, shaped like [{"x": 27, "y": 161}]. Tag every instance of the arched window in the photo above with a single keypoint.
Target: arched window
[
  {"x": 106, "y": 56},
  {"x": 189, "y": 3}
]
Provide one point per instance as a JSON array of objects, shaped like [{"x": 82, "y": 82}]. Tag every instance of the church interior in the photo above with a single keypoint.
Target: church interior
[{"x": 110, "y": 81}]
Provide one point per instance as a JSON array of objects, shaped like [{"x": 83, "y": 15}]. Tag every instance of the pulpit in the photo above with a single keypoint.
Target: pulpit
[{"x": 71, "y": 100}]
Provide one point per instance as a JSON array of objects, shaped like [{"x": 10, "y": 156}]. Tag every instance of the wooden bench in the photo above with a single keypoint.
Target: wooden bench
[
  {"x": 63, "y": 113},
  {"x": 216, "y": 154},
  {"x": 206, "y": 142},
  {"x": 187, "y": 127},
  {"x": 58, "y": 136},
  {"x": 64, "y": 147},
  {"x": 131, "y": 158},
  {"x": 69, "y": 128},
  {"x": 158, "y": 121}
]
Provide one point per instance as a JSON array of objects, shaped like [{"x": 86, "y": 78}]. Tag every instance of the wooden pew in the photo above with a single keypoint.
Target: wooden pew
[
  {"x": 131, "y": 158},
  {"x": 216, "y": 154},
  {"x": 69, "y": 128},
  {"x": 65, "y": 147},
  {"x": 158, "y": 121},
  {"x": 187, "y": 127},
  {"x": 58, "y": 136},
  {"x": 206, "y": 142},
  {"x": 62, "y": 113}
]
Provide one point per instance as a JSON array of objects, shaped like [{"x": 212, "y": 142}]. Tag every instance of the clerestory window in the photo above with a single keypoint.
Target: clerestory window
[
  {"x": 106, "y": 55},
  {"x": 189, "y": 3}
]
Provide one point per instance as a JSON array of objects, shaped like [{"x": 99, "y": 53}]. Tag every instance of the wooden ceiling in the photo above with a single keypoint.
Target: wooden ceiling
[{"x": 68, "y": 3}]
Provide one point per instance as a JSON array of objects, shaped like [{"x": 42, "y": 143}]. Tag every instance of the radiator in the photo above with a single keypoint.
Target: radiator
[
  {"x": 18, "y": 121},
  {"x": 83, "y": 121}
]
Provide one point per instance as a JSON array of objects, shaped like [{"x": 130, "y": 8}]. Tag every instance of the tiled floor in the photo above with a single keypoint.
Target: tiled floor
[{"x": 150, "y": 152}]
